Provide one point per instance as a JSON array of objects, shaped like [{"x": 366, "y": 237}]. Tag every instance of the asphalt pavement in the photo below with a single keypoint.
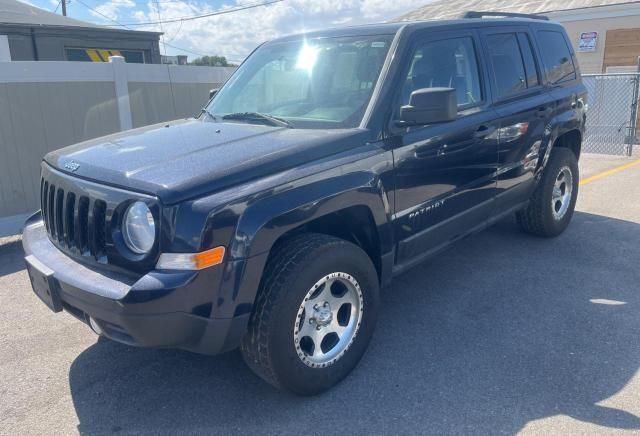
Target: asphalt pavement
[{"x": 503, "y": 333}]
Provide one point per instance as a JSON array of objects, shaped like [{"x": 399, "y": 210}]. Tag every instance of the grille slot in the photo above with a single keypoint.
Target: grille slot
[
  {"x": 58, "y": 217},
  {"x": 44, "y": 205},
  {"x": 74, "y": 222},
  {"x": 97, "y": 230},
  {"x": 51, "y": 211},
  {"x": 83, "y": 224},
  {"x": 69, "y": 224}
]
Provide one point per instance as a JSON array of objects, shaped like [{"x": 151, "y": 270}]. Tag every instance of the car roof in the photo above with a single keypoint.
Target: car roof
[{"x": 394, "y": 27}]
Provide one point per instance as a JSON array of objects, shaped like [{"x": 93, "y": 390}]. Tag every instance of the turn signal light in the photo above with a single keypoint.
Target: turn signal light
[
  {"x": 209, "y": 257},
  {"x": 191, "y": 261}
]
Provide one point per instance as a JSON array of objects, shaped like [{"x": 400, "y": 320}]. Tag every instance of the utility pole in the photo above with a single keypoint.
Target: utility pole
[{"x": 64, "y": 7}]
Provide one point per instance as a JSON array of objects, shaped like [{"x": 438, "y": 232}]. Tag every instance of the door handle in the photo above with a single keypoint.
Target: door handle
[
  {"x": 484, "y": 131},
  {"x": 574, "y": 101}
]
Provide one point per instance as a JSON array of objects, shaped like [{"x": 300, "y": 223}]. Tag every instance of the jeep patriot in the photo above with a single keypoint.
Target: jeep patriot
[{"x": 327, "y": 164}]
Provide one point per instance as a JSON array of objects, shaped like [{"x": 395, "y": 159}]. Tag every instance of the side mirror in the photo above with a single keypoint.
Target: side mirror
[
  {"x": 213, "y": 92},
  {"x": 429, "y": 106}
]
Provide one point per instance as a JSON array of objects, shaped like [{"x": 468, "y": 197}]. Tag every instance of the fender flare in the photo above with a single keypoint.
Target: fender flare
[
  {"x": 270, "y": 217},
  {"x": 558, "y": 126},
  {"x": 267, "y": 219}
]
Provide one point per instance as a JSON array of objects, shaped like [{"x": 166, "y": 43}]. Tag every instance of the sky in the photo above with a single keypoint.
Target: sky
[{"x": 235, "y": 34}]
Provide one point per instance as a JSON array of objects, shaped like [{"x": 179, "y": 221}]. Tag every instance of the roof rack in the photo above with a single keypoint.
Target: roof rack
[{"x": 479, "y": 14}]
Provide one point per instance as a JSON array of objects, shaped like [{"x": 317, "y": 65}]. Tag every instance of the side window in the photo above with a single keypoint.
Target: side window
[
  {"x": 529, "y": 62},
  {"x": 449, "y": 63},
  {"x": 556, "y": 56},
  {"x": 508, "y": 66}
]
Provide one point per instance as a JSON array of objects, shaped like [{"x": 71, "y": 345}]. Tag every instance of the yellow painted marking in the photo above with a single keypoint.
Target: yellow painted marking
[
  {"x": 609, "y": 172},
  {"x": 94, "y": 56},
  {"x": 101, "y": 55},
  {"x": 104, "y": 54}
]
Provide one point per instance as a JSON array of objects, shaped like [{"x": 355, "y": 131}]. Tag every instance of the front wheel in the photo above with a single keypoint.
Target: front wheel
[
  {"x": 552, "y": 204},
  {"x": 314, "y": 315}
]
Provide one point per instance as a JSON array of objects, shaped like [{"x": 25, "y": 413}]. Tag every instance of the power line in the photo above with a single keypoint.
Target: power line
[
  {"x": 56, "y": 9},
  {"x": 176, "y": 33},
  {"x": 185, "y": 50},
  {"x": 161, "y": 29},
  {"x": 165, "y": 43},
  {"x": 125, "y": 26},
  {"x": 200, "y": 54},
  {"x": 211, "y": 14},
  {"x": 144, "y": 2},
  {"x": 100, "y": 13},
  {"x": 128, "y": 2}
]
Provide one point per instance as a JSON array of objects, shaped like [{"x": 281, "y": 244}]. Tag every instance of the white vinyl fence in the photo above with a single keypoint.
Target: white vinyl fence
[{"x": 48, "y": 105}]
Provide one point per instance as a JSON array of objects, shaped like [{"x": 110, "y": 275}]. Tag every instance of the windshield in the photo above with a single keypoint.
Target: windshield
[{"x": 319, "y": 83}]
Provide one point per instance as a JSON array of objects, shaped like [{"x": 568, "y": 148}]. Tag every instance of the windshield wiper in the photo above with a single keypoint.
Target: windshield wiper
[
  {"x": 249, "y": 116},
  {"x": 206, "y": 111}
]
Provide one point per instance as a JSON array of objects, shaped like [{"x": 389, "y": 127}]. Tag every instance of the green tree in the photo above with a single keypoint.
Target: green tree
[{"x": 212, "y": 61}]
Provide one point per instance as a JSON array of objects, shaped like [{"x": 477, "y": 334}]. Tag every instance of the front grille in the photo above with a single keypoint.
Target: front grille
[
  {"x": 79, "y": 216},
  {"x": 74, "y": 221}
]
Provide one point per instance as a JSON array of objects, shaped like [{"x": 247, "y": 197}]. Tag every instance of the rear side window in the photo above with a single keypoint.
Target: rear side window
[
  {"x": 556, "y": 56},
  {"x": 513, "y": 64}
]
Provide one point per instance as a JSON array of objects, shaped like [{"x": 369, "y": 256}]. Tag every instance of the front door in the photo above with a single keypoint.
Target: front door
[{"x": 445, "y": 173}]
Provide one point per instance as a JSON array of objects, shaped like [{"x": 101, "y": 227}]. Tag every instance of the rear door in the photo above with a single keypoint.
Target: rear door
[
  {"x": 445, "y": 173},
  {"x": 524, "y": 108}
]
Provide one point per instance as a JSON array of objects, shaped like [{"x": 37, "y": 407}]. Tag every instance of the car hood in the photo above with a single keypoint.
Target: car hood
[{"x": 187, "y": 158}]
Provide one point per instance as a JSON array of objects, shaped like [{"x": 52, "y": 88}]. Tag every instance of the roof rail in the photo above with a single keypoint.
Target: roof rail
[{"x": 479, "y": 14}]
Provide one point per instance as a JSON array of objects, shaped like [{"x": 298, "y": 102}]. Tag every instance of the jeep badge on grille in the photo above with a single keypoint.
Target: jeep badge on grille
[{"x": 72, "y": 166}]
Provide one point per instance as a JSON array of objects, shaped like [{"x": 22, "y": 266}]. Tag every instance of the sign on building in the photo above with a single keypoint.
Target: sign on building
[{"x": 588, "y": 41}]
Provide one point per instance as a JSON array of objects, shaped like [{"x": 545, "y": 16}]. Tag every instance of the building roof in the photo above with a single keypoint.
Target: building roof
[
  {"x": 444, "y": 9},
  {"x": 15, "y": 12}
]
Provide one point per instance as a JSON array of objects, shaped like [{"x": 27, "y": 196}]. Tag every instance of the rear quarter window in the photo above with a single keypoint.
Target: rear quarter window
[{"x": 556, "y": 56}]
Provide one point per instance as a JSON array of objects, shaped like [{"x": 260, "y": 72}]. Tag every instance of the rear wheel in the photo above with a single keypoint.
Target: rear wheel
[
  {"x": 551, "y": 207},
  {"x": 314, "y": 315}
]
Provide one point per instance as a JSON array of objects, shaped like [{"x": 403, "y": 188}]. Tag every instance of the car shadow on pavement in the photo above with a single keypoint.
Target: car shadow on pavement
[
  {"x": 11, "y": 257},
  {"x": 500, "y": 330}
]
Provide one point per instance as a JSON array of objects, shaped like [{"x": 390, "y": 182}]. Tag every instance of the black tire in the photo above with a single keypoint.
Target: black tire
[
  {"x": 539, "y": 218},
  {"x": 292, "y": 270}
]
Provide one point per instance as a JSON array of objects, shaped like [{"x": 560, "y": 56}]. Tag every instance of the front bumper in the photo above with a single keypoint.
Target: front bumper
[{"x": 159, "y": 309}]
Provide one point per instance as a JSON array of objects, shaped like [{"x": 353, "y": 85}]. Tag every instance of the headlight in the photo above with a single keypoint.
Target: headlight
[{"x": 139, "y": 228}]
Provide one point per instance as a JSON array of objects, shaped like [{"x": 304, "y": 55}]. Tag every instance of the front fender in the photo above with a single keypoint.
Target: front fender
[
  {"x": 269, "y": 216},
  {"x": 263, "y": 223}
]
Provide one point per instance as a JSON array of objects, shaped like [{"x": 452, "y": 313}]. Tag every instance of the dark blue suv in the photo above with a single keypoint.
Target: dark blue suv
[{"x": 327, "y": 164}]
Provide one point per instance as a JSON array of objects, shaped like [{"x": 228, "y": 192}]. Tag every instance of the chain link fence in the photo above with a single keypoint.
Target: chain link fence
[{"x": 612, "y": 115}]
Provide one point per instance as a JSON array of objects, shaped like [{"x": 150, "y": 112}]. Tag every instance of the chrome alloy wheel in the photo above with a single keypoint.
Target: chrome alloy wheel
[
  {"x": 561, "y": 196},
  {"x": 328, "y": 320}
]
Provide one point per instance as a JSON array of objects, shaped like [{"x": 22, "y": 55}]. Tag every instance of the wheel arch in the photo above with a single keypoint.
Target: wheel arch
[
  {"x": 357, "y": 212},
  {"x": 355, "y": 224},
  {"x": 358, "y": 196},
  {"x": 571, "y": 139}
]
